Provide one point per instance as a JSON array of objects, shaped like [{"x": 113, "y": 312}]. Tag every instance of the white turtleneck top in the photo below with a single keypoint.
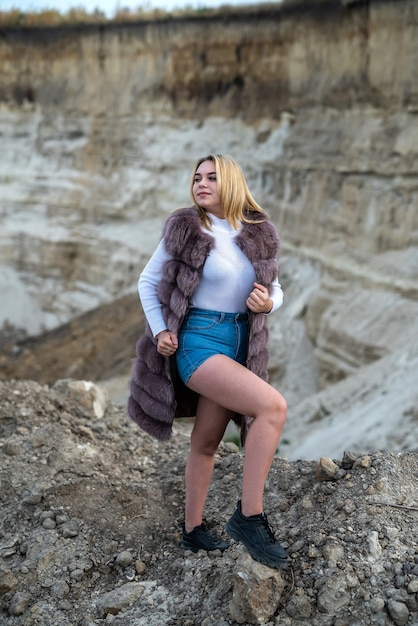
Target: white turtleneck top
[{"x": 226, "y": 282}]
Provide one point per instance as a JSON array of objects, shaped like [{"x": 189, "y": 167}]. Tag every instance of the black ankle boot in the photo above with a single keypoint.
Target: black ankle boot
[
  {"x": 200, "y": 539},
  {"x": 258, "y": 537}
]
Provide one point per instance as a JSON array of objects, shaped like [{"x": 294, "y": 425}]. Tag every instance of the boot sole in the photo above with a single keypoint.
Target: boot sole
[{"x": 194, "y": 548}]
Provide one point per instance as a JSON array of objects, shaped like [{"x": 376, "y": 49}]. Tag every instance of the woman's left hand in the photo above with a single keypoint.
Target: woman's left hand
[{"x": 259, "y": 300}]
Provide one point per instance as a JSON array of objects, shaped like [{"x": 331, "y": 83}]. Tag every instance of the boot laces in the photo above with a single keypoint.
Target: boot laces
[
  {"x": 203, "y": 530},
  {"x": 268, "y": 528}
]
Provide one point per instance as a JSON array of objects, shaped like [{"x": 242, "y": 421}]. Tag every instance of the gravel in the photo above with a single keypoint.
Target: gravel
[{"x": 91, "y": 512}]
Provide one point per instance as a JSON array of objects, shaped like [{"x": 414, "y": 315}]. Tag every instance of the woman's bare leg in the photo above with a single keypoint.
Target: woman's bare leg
[
  {"x": 209, "y": 427},
  {"x": 231, "y": 385}
]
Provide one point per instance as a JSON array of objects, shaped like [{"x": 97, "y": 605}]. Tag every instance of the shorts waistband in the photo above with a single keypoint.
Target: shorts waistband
[{"x": 220, "y": 316}]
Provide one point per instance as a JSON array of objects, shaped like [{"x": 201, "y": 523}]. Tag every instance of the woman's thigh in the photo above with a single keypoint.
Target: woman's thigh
[{"x": 233, "y": 386}]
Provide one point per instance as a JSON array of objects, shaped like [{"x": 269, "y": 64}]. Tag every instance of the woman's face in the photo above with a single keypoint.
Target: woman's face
[{"x": 205, "y": 189}]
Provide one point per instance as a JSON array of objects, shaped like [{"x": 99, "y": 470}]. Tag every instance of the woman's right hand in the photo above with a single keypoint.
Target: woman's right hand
[{"x": 167, "y": 343}]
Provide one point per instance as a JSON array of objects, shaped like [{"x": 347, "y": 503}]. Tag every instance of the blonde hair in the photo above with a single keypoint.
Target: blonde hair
[{"x": 233, "y": 190}]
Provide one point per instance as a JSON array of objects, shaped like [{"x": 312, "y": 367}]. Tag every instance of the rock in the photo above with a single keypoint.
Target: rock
[
  {"x": 33, "y": 497},
  {"x": 375, "y": 549},
  {"x": 333, "y": 594},
  {"x": 87, "y": 394},
  {"x": 299, "y": 607},
  {"x": 256, "y": 593},
  {"x": 70, "y": 529},
  {"x": 326, "y": 469},
  {"x": 349, "y": 459},
  {"x": 333, "y": 553},
  {"x": 119, "y": 599},
  {"x": 11, "y": 448},
  {"x": 8, "y": 581},
  {"x": 60, "y": 589},
  {"x": 398, "y": 612},
  {"x": 19, "y": 603},
  {"x": 49, "y": 524},
  {"x": 140, "y": 567},
  {"x": 364, "y": 461},
  {"x": 124, "y": 559},
  {"x": 413, "y": 586},
  {"x": 377, "y": 604}
]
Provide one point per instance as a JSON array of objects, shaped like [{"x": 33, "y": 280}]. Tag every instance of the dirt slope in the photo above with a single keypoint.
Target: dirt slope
[
  {"x": 95, "y": 346},
  {"x": 91, "y": 510}
]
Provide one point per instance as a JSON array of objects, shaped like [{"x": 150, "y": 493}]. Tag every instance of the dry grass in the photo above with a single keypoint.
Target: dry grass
[
  {"x": 50, "y": 18},
  {"x": 18, "y": 18}
]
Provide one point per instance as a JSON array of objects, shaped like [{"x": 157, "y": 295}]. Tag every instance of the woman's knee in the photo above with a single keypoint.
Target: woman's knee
[
  {"x": 282, "y": 404},
  {"x": 206, "y": 447},
  {"x": 275, "y": 408}
]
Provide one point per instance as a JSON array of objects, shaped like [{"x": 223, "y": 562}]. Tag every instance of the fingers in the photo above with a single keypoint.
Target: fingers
[
  {"x": 167, "y": 343},
  {"x": 259, "y": 295},
  {"x": 259, "y": 300}
]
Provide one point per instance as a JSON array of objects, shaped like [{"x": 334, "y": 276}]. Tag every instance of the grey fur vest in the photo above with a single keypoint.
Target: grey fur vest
[{"x": 157, "y": 394}]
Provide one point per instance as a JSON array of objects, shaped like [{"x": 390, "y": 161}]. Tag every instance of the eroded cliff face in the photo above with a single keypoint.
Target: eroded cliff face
[
  {"x": 100, "y": 126},
  {"x": 327, "y": 96},
  {"x": 253, "y": 63}
]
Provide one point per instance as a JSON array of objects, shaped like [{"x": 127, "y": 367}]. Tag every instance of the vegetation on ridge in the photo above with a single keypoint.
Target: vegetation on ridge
[{"x": 77, "y": 16}]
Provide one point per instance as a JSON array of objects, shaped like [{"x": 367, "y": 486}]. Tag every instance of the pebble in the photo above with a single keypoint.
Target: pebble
[
  {"x": 70, "y": 529},
  {"x": 49, "y": 523},
  {"x": 326, "y": 469},
  {"x": 12, "y": 448},
  {"x": 398, "y": 612},
  {"x": 124, "y": 559},
  {"x": 19, "y": 603}
]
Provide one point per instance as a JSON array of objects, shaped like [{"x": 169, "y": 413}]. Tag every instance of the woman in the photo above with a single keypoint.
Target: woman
[{"x": 205, "y": 293}]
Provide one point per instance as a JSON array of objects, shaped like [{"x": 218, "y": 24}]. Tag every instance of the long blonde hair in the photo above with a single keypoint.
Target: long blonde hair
[{"x": 233, "y": 190}]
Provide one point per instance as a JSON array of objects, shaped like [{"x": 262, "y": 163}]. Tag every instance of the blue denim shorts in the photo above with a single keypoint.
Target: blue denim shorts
[{"x": 206, "y": 333}]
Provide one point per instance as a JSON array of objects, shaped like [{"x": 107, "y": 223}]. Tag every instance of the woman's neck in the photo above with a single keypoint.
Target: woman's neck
[{"x": 219, "y": 213}]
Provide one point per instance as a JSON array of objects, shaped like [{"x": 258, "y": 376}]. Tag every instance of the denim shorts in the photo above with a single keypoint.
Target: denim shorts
[{"x": 206, "y": 333}]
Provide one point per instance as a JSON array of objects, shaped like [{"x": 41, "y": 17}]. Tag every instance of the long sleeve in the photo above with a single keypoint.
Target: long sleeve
[
  {"x": 147, "y": 289},
  {"x": 276, "y": 295}
]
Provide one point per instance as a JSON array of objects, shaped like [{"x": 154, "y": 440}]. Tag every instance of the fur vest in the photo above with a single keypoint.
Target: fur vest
[{"x": 157, "y": 394}]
